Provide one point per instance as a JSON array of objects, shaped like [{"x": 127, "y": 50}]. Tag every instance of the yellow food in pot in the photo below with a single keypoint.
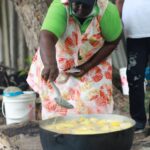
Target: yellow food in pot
[{"x": 88, "y": 126}]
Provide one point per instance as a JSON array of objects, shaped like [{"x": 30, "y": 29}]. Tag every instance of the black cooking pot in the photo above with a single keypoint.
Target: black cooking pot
[{"x": 118, "y": 140}]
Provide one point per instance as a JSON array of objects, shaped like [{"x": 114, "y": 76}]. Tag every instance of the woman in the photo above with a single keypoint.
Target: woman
[{"x": 78, "y": 34}]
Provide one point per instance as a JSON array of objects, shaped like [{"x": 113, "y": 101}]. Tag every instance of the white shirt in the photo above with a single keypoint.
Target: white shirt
[{"x": 136, "y": 18}]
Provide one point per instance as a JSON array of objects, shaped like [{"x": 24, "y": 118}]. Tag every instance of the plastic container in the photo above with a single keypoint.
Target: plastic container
[
  {"x": 124, "y": 82},
  {"x": 19, "y": 108}
]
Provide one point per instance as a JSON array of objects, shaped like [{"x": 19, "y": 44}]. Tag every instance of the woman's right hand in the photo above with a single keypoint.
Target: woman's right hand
[
  {"x": 50, "y": 72},
  {"x": 48, "y": 55}
]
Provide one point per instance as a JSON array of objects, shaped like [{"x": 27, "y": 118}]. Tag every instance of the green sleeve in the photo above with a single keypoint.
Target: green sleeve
[
  {"x": 55, "y": 20},
  {"x": 111, "y": 24}
]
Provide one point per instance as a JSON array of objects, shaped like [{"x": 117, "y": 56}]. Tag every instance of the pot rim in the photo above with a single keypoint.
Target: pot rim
[{"x": 46, "y": 122}]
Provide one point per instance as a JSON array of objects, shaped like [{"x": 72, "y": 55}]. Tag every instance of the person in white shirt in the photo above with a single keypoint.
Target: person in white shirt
[{"x": 136, "y": 22}]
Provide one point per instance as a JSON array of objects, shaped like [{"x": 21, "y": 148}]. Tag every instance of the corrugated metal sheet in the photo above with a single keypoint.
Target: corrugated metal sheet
[
  {"x": 119, "y": 58},
  {"x": 13, "y": 50}
]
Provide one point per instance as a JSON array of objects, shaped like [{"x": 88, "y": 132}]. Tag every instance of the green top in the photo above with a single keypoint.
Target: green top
[{"x": 56, "y": 20}]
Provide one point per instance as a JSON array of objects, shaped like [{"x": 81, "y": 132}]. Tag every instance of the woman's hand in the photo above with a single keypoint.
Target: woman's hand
[
  {"x": 48, "y": 55},
  {"x": 81, "y": 70},
  {"x": 101, "y": 55},
  {"x": 50, "y": 72}
]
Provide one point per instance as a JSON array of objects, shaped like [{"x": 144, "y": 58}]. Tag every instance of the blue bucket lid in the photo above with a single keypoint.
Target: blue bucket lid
[{"x": 11, "y": 94}]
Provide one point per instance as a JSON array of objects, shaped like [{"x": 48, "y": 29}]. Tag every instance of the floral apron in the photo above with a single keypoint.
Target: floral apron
[{"x": 89, "y": 94}]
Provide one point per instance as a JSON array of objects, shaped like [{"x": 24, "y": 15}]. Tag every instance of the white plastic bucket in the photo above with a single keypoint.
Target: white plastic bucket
[
  {"x": 124, "y": 82},
  {"x": 19, "y": 108}
]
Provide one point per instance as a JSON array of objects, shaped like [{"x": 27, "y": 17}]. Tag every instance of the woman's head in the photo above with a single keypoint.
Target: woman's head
[{"x": 82, "y": 8}]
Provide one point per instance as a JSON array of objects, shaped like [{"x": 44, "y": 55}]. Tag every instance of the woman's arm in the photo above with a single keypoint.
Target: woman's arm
[
  {"x": 53, "y": 27},
  {"x": 119, "y": 4},
  {"x": 48, "y": 55},
  {"x": 101, "y": 55}
]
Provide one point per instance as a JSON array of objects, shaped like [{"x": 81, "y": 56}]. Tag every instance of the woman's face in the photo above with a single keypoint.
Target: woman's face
[{"x": 81, "y": 10}]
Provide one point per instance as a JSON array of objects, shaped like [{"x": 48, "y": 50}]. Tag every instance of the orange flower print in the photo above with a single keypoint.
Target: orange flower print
[
  {"x": 68, "y": 50},
  {"x": 61, "y": 60},
  {"x": 49, "y": 105},
  {"x": 105, "y": 64},
  {"x": 89, "y": 54},
  {"x": 34, "y": 57},
  {"x": 103, "y": 98},
  {"x": 84, "y": 39},
  {"x": 110, "y": 68},
  {"x": 94, "y": 43},
  {"x": 101, "y": 101},
  {"x": 49, "y": 85},
  {"x": 71, "y": 91},
  {"x": 107, "y": 94},
  {"x": 98, "y": 74},
  {"x": 83, "y": 79},
  {"x": 62, "y": 111},
  {"x": 97, "y": 77},
  {"x": 94, "y": 40},
  {"x": 97, "y": 69},
  {"x": 95, "y": 98},
  {"x": 38, "y": 71},
  {"x": 108, "y": 75},
  {"x": 90, "y": 110},
  {"x": 69, "y": 42},
  {"x": 109, "y": 91},
  {"x": 77, "y": 95},
  {"x": 99, "y": 110},
  {"x": 102, "y": 94},
  {"x": 104, "y": 101},
  {"x": 66, "y": 63},
  {"x": 75, "y": 37},
  {"x": 97, "y": 36},
  {"x": 69, "y": 64}
]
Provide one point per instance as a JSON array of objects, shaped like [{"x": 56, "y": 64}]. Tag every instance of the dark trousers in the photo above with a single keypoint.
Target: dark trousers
[{"x": 138, "y": 51}]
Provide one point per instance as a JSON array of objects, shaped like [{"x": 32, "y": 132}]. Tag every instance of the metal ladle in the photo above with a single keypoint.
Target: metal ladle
[{"x": 59, "y": 100}]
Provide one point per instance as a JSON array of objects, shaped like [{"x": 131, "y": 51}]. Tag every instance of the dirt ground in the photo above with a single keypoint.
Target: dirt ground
[
  {"x": 26, "y": 137},
  {"x": 141, "y": 140}
]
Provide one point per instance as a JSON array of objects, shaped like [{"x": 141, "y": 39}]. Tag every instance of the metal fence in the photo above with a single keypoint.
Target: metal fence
[{"x": 13, "y": 50}]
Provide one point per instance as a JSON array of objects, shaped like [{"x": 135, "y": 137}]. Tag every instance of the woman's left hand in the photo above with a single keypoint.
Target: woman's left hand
[{"x": 80, "y": 71}]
